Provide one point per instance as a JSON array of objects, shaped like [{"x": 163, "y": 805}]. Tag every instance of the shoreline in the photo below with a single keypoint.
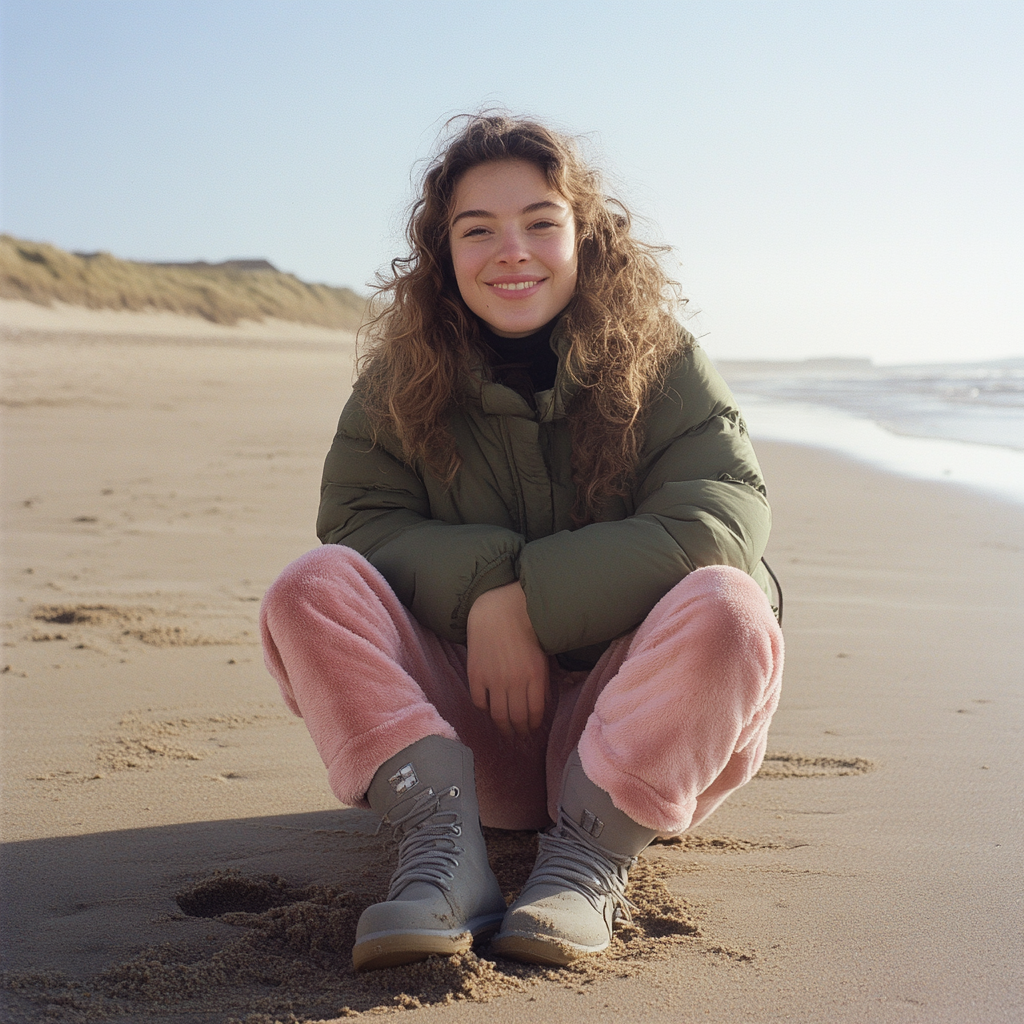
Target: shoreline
[
  {"x": 994, "y": 470},
  {"x": 981, "y": 468},
  {"x": 984, "y": 468}
]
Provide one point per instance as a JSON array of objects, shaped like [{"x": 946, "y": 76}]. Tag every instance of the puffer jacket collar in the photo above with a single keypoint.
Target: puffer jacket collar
[{"x": 498, "y": 400}]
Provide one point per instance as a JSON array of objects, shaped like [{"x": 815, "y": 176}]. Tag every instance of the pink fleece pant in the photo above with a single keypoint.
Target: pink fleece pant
[{"x": 671, "y": 720}]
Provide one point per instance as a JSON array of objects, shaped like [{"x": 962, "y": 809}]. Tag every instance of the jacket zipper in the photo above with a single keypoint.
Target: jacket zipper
[{"x": 506, "y": 439}]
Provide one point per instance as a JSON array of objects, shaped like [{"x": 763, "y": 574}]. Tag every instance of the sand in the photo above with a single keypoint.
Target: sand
[
  {"x": 23, "y": 321},
  {"x": 172, "y": 852}
]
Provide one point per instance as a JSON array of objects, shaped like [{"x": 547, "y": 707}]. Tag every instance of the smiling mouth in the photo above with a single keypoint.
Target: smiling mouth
[{"x": 516, "y": 286}]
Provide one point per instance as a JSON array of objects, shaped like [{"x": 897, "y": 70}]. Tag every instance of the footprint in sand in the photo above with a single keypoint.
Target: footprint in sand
[
  {"x": 807, "y": 766},
  {"x": 691, "y": 842},
  {"x": 149, "y": 743},
  {"x": 142, "y": 623},
  {"x": 290, "y": 951}
]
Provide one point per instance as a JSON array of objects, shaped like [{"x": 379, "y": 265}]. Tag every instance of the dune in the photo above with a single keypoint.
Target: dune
[{"x": 220, "y": 293}]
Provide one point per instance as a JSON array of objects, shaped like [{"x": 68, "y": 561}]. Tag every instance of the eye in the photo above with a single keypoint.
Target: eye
[
  {"x": 544, "y": 224},
  {"x": 472, "y": 232}
]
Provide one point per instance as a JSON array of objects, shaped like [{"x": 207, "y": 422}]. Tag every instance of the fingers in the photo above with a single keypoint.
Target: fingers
[
  {"x": 503, "y": 704},
  {"x": 488, "y": 694},
  {"x": 519, "y": 708},
  {"x": 519, "y": 711},
  {"x": 508, "y": 671},
  {"x": 502, "y": 717},
  {"x": 537, "y": 698},
  {"x": 477, "y": 689},
  {"x": 516, "y": 706}
]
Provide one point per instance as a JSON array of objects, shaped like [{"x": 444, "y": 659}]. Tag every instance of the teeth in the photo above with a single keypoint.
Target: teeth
[{"x": 517, "y": 287}]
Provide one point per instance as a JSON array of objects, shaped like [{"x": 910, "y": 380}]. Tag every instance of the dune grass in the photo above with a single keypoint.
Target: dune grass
[{"x": 222, "y": 294}]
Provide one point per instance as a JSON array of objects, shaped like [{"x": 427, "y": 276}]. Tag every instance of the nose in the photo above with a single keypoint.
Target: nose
[{"x": 512, "y": 247}]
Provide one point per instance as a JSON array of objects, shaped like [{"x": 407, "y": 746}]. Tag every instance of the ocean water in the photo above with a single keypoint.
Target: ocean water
[{"x": 959, "y": 423}]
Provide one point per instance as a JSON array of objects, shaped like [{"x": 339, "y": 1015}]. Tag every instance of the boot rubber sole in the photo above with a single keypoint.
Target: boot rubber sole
[
  {"x": 392, "y": 949},
  {"x": 546, "y": 950}
]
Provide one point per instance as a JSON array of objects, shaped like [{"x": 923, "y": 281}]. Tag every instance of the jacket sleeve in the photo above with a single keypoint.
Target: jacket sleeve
[
  {"x": 370, "y": 500},
  {"x": 699, "y": 500}
]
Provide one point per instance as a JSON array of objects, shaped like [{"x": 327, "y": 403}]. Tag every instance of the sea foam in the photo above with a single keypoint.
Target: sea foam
[{"x": 957, "y": 424}]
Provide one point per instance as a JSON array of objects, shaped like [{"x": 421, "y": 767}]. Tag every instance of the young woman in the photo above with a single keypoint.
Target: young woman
[{"x": 540, "y": 597}]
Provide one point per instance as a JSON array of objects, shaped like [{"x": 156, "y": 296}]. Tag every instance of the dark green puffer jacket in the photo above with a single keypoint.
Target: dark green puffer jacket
[{"x": 698, "y": 500}]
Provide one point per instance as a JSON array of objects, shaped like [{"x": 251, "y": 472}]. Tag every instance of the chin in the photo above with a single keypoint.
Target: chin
[{"x": 518, "y": 325}]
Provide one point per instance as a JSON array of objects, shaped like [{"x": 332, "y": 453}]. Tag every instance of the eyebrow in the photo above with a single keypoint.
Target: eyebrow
[{"x": 544, "y": 204}]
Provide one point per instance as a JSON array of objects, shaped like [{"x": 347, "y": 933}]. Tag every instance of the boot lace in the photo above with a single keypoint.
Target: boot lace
[
  {"x": 567, "y": 860},
  {"x": 427, "y": 850}
]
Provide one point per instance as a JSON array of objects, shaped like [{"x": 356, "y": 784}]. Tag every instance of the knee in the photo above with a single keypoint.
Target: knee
[
  {"x": 314, "y": 579},
  {"x": 714, "y": 634},
  {"x": 724, "y": 606}
]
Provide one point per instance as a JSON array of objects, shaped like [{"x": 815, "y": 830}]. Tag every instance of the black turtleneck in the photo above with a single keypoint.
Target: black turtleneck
[{"x": 525, "y": 365}]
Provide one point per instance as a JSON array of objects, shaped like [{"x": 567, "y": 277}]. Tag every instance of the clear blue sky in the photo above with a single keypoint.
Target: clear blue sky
[{"x": 837, "y": 178}]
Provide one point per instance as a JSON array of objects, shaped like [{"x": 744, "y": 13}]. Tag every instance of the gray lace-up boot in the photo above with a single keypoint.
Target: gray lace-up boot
[
  {"x": 443, "y": 894},
  {"x": 577, "y": 888}
]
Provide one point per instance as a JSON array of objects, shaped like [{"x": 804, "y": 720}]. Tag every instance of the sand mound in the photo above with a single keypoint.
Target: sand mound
[
  {"x": 694, "y": 843},
  {"x": 142, "y": 623},
  {"x": 145, "y": 743},
  {"x": 286, "y": 953},
  {"x": 806, "y": 766}
]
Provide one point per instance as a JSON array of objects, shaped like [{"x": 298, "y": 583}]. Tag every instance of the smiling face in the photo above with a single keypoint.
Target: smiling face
[{"x": 513, "y": 245}]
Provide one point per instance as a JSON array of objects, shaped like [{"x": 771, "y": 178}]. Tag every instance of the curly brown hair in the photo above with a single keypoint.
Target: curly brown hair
[{"x": 621, "y": 324}]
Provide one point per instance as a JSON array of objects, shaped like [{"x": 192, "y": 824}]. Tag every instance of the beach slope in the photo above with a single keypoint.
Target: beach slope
[{"x": 171, "y": 851}]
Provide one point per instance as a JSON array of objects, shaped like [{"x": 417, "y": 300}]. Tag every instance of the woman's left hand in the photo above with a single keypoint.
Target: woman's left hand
[{"x": 508, "y": 671}]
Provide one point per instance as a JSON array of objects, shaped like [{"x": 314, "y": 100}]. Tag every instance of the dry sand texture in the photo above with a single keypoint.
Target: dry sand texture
[{"x": 172, "y": 852}]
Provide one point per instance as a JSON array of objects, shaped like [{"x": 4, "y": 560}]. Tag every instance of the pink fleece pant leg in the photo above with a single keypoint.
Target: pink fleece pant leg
[
  {"x": 675, "y": 717},
  {"x": 346, "y": 659},
  {"x": 369, "y": 680}
]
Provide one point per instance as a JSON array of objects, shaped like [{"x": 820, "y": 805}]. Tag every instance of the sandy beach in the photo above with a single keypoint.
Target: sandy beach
[{"x": 171, "y": 851}]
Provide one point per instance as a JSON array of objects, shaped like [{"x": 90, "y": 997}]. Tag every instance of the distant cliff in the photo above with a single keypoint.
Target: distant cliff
[{"x": 222, "y": 293}]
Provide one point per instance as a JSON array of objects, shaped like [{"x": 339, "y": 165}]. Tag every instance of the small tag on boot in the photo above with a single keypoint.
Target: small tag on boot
[
  {"x": 404, "y": 779},
  {"x": 591, "y": 823}
]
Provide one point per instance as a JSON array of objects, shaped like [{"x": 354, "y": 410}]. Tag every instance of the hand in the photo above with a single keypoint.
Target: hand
[{"x": 508, "y": 670}]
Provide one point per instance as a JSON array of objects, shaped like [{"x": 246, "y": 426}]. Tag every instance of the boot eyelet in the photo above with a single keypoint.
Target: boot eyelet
[
  {"x": 456, "y": 830},
  {"x": 454, "y": 792}
]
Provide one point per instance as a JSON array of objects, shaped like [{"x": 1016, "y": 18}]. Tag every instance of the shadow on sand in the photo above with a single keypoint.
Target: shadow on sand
[{"x": 251, "y": 919}]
